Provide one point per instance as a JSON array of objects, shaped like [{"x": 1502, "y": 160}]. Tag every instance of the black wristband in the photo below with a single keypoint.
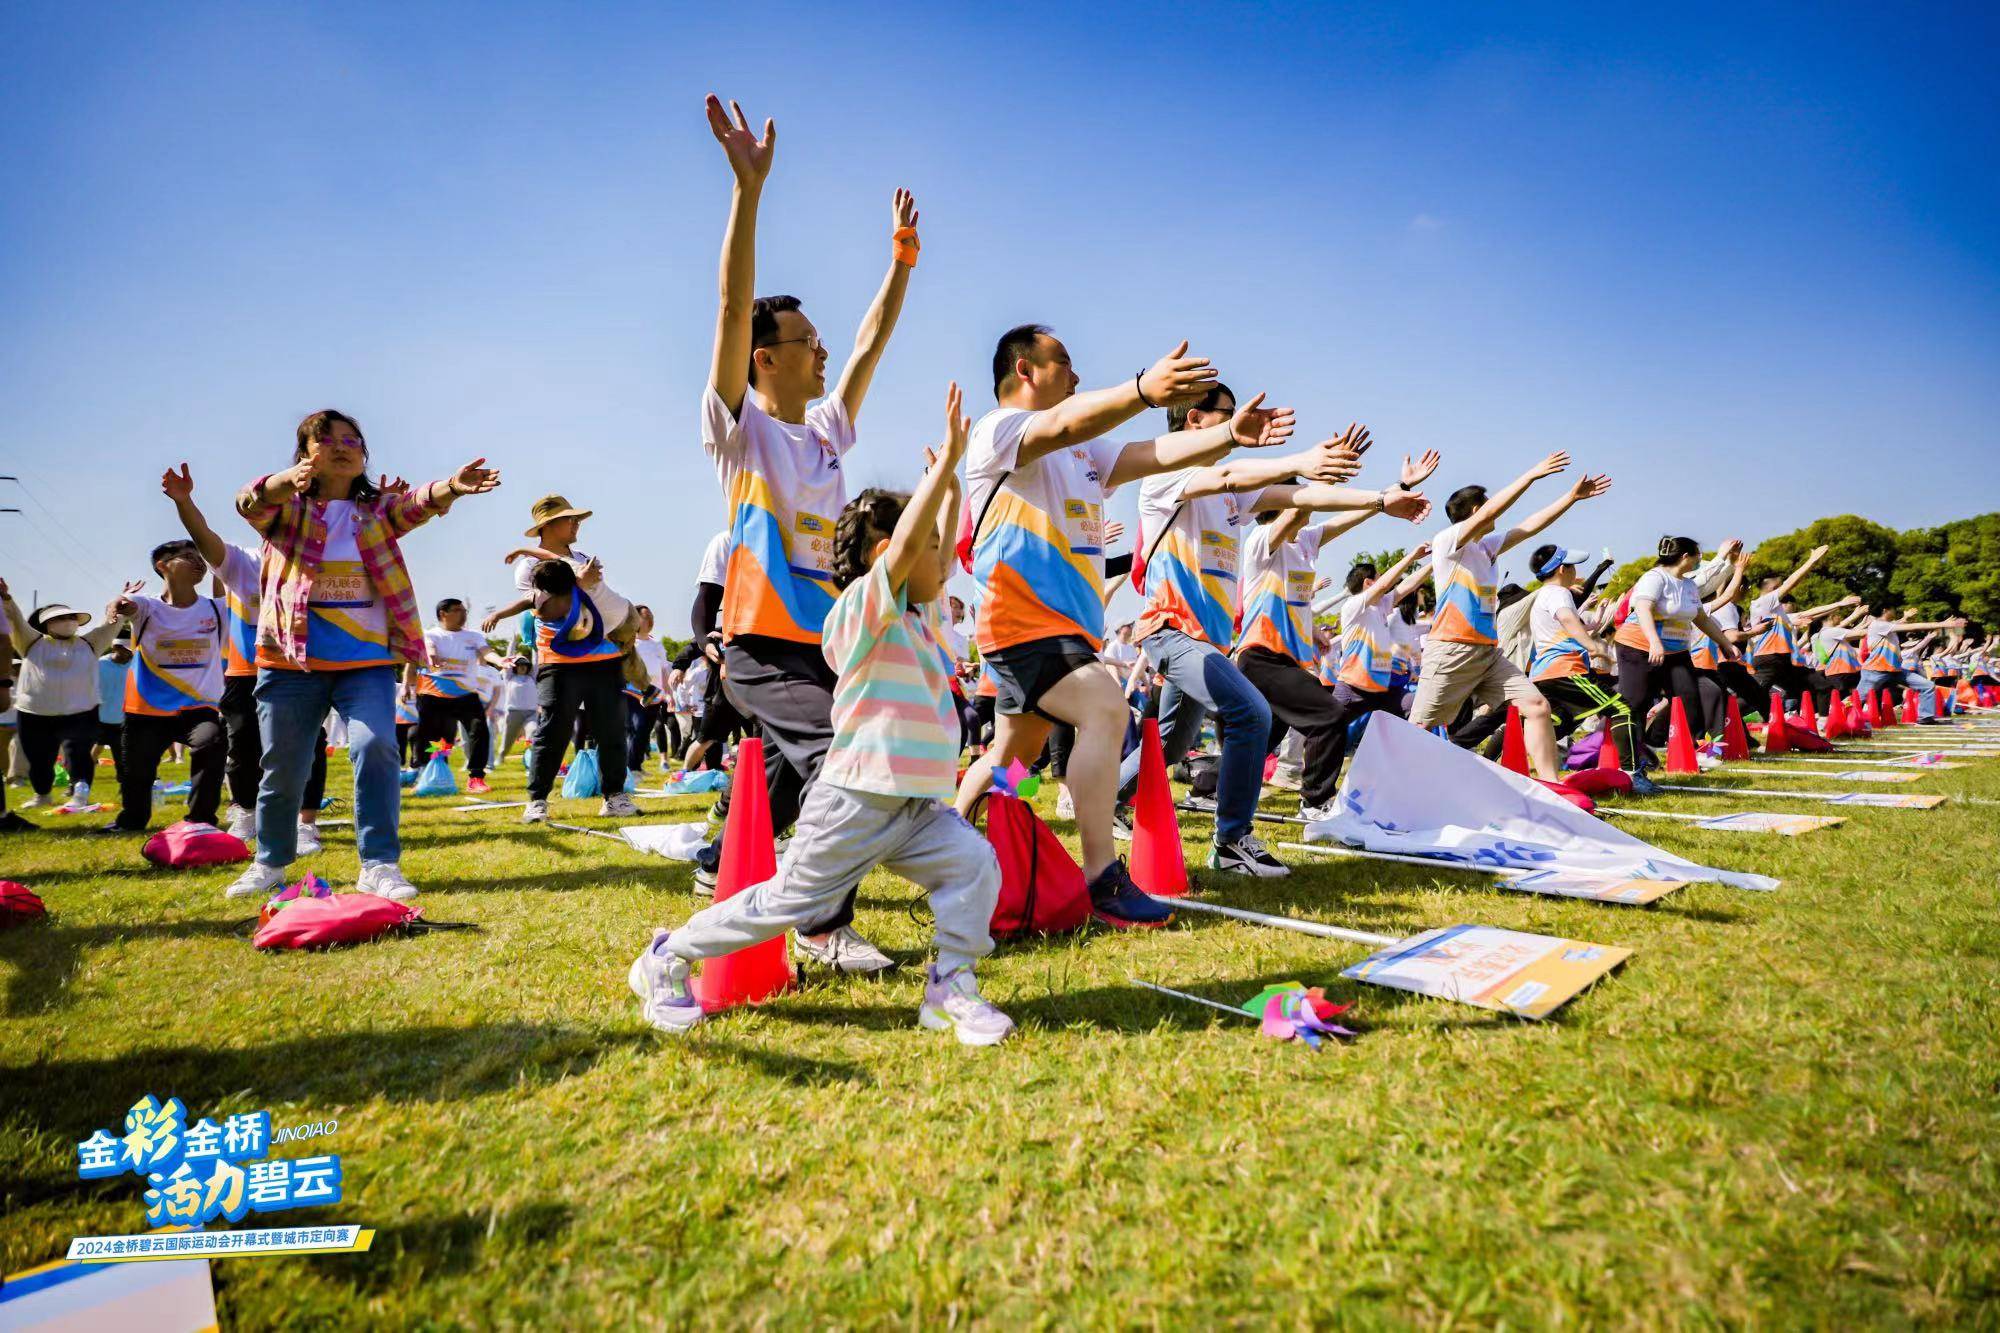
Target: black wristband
[{"x": 1140, "y": 389}]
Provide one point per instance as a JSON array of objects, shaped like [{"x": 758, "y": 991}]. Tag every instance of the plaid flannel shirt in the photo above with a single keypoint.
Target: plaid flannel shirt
[{"x": 295, "y": 542}]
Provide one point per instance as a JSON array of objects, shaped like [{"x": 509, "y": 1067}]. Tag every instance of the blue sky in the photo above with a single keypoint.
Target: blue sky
[{"x": 1746, "y": 259}]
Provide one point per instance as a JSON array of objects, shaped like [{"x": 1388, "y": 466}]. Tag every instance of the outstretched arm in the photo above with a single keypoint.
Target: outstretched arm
[
  {"x": 880, "y": 321},
  {"x": 1806, "y": 617},
  {"x": 1253, "y": 427},
  {"x": 1709, "y": 626},
  {"x": 1586, "y": 488},
  {"x": 750, "y": 161},
  {"x": 1331, "y": 460},
  {"x": 1387, "y": 578},
  {"x": 1175, "y": 378},
  {"x": 920, "y": 515},
  {"x": 179, "y": 487},
  {"x": 1792, "y": 579},
  {"x": 1729, "y": 589},
  {"x": 1498, "y": 503}
]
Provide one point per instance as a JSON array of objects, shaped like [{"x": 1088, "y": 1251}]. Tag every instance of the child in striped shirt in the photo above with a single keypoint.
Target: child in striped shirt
[{"x": 884, "y": 792}]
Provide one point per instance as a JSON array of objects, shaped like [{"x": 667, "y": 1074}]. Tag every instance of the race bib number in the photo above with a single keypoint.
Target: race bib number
[
  {"x": 812, "y": 541},
  {"x": 1299, "y": 585},
  {"x": 1085, "y": 523},
  {"x": 1218, "y": 552},
  {"x": 342, "y": 585},
  {"x": 181, "y": 653}
]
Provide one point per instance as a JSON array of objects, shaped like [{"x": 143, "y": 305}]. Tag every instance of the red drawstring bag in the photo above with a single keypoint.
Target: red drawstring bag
[
  {"x": 1572, "y": 795},
  {"x": 345, "y": 918},
  {"x": 179, "y": 846},
  {"x": 18, "y": 905},
  {"x": 1803, "y": 737},
  {"x": 1041, "y": 886},
  {"x": 1600, "y": 782}
]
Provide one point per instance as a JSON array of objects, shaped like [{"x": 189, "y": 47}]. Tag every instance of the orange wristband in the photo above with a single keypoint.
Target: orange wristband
[{"x": 905, "y": 245}]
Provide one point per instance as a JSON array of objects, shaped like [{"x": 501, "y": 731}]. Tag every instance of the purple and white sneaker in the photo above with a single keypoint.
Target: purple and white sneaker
[
  {"x": 660, "y": 979},
  {"x": 952, "y": 1003}
]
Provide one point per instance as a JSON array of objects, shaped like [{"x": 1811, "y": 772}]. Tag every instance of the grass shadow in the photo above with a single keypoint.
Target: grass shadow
[
  {"x": 47, "y": 955},
  {"x": 424, "y": 1249}
]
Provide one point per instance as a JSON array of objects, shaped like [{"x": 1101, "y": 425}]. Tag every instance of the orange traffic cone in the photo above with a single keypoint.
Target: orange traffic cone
[
  {"x": 1871, "y": 714},
  {"x": 1807, "y": 717},
  {"x": 1735, "y": 736},
  {"x": 1910, "y": 714},
  {"x": 1158, "y": 864},
  {"x": 1836, "y": 718},
  {"x": 749, "y": 857},
  {"x": 1680, "y": 742},
  {"x": 1775, "y": 739},
  {"x": 1607, "y": 753},
  {"x": 1514, "y": 749}
]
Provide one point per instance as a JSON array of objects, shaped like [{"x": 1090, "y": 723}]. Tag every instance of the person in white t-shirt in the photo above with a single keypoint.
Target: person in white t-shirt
[
  {"x": 446, "y": 691},
  {"x": 1655, "y": 646},
  {"x": 172, "y": 690},
  {"x": 1462, "y": 661},
  {"x": 642, "y": 717},
  {"x": 778, "y": 442}
]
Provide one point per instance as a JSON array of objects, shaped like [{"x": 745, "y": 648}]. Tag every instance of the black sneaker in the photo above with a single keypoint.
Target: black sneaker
[
  {"x": 707, "y": 865},
  {"x": 1121, "y": 824},
  {"x": 1247, "y": 856},
  {"x": 1201, "y": 805},
  {"x": 1119, "y": 903},
  {"x": 1932, "y": 722}
]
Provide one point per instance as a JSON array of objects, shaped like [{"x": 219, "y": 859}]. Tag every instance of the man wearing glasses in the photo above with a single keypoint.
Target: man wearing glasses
[{"x": 777, "y": 451}]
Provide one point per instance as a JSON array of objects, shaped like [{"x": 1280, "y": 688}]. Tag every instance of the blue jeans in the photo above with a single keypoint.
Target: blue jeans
[
  {"x": 1873, "y": 682},
  {"x": 291, "y": 705},
  {"x": 1201, "y": 679}
]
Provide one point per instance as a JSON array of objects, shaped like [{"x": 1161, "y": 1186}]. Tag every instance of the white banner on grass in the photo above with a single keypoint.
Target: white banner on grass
[
  {"x": 678, "y": 842},
  {"x": 1411, "y": 792}
]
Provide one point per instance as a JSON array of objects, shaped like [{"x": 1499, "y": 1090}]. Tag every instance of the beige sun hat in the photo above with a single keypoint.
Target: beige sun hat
[{"x": 547, "y": 510}]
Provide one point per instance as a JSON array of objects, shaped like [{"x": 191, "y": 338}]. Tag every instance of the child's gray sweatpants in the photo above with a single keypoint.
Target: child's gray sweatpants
[{"x": 841, "y": 835}]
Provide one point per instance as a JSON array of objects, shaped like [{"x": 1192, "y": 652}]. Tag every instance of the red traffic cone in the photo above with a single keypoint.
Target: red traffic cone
[
  {"x": 1158, "y": 865},
  {"x": 1910, "y": 714},
  {"x": 749, "y": 857},
  {"x": 1680, "y": 742},
  {"x": 1869, "y": 718},
  {"x": 1775, "y": 739},
  {"x": 1888, "y": 709},
  {"x": 1735, "y": 736},
  {"x": 1808, "y": 718},
  {"x": 1514, "y": 749},
  {"x": 1607, "y": 753},
  {"x": 1836, "y": 718}
]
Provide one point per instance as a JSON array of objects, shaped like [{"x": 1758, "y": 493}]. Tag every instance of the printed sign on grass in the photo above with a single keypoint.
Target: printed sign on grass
[
  {"x": 1752, "y": 821},
  {"x": 1510, "y": 970},
  {"x": 1597, "y": 888}
]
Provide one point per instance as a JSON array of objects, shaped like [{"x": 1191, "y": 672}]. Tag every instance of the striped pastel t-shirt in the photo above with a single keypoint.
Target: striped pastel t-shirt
[{"x": 895, "y": 731}]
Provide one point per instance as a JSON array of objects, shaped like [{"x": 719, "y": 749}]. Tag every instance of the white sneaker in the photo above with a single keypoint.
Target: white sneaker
[
  {"x": 256, "y": 882},
  {"x": 1065, "y": 804},
  {"x": 385, "y": 880},
  {"x": 242, "y": 823},
  {"x": 1121, "y": 825},
  {"x": 1287, "y": 777},
  {"x": 309, "y": 844},
  {"x": 846, "y": 950},
  {"x": 536, "y": 813},
  {"x": 1705, "y": 761},
  {"x": 618, "y": 806},
  {"x": 660, "y": 980},
  {"x": 1247, "y": 856},
  {"x": 952, "y": 1003},
  {"x": 35, "y": 800},
  {"x": 79, "y": 793},
  {"x": 1312, "y": 814}
]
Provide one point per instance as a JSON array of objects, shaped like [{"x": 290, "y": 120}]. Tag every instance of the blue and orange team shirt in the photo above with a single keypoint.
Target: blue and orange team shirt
[
  {"x": 1776, "y": 638},
  {"x": 347, "y": 623},
  {"x": 1885, "y": 648},
  {"x": 1841, "y": 657},
  {"x": 1675, "y": 601},
  {"x": 241, "y": 574},
  {"x": 176, "y": 657},
  {"x": 1194, "y": 564},
  {"x": 453, "y": 672},
  {"x": 783, "y": 484},
  {"x": 1468, "y": 589},
  {"x": 1038, "y": 554},
  {"x": 1558, "y": 652},
  {"x": 1277, "y": 586},
  {"x": 1368, "y": 643}
]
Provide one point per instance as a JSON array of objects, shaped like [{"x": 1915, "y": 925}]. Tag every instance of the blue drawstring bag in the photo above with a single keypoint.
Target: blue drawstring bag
[
  {"x": 437, "y": 779},
  {"x": 582, "y": 780},
  {"x": 409, "y": 777},
  {"x": 685, "y": 783}
]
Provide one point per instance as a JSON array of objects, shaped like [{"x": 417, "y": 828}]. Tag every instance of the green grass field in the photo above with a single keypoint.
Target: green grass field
[{"x": 1782, "y": 1111}]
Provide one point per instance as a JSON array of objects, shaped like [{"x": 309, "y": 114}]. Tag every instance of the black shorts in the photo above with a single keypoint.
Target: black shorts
[{"x": 1027, "y": 671}]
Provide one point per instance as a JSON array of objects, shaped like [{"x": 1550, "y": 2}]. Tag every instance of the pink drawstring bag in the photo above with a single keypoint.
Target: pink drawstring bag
[
  {"x": 345, "y": 918},
  {"x": 18, "y": 904},
  {"x": 179, "y": 846}
]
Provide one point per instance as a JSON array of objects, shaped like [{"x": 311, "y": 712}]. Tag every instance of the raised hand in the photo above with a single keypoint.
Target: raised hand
[
  {"x": 902, "y": 211},
  {"x": 487, "y": 623},
  {"x": 1422, "y": 552},
  {"x": 1331, "y": 462},
  {"x": 299, "y": 476},
  {"x": 1355, "y": 438},
  {"x": 1410, "y": 506},
  {"x": 3, "y": 590},
  {"x": 389, "y": 485},
  {"x": 1818, "y": 554},
  {"x": 475, "y": 478},
  {"x": 749, "y": 156},
  {"x": 1177, "y": 378},
  {"x": 591, "y": 574},
  {"x": 1256, "y": 427},
  {"x": 1589, "y": 488},
  {"x": 1418, "y": 472},
  {"x": 1554, "y": 463},
  {"x": 122, "y": 607},
  {"x": 1731, "y": 548},
  {"x": 1114, "y": 532},
  {"x": 957, "y": 426},
  {"x": 177, "y": 486}
]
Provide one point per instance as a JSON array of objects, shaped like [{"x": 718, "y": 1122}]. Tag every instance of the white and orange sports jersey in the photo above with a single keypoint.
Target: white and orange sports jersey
[
  {"x": 1277, "y": 588},
  {"x": 242, "y": 587},
  {"x": 347, "y": 623},
  {"x": 1776, "y": 637},
  {"x": 785, "y": 489},
  {"x": 1468, "y": 589},
  {"x": 1676, "y": 602},
  {"x": 1368, "y": 643},
  {"x": 176, "y": 657},
  {"x": 1885, "y": 647},
  {"x": 455, "y": 656},
  {"x": 1558, "y": 652},
  {"x": 1195, "y": 549},
  {"x": 1842, "y": 657},
  {"x": 1038, "y": 552}
]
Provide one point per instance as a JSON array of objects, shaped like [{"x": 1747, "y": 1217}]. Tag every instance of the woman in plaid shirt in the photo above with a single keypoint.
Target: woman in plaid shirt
[{"x": 336, "y": 622}]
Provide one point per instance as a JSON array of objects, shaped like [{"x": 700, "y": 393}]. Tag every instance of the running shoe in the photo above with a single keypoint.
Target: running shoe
[
  {"x": 707, "y": 865},
  {"x": 477, "y": 787},
  {"x": 256, "y": 882},
  {"x": 952, "y": 1003},
  {"x": 1201, "y": 805},
  {"x": 536, "y": 813},
  {"x": 1121, "y": 824},
  {"x": 384, "y": 879},
  {"x": 1246, "y": 856},
  {"x": 618, "y": 806},
  {"x": 846, "y": 950},
  {"x": 660, "y": 979},
  {"x": 1644, "y": 786},
  {"x": 309, "y": 844},
  {"x": 1119, "y": 903},
  {"x": 1313, "y": 814},
  {"x": 242, "y": 823}
]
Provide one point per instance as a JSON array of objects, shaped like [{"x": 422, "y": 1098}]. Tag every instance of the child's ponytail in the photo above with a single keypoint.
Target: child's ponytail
[{"x": 869, "y": 517}]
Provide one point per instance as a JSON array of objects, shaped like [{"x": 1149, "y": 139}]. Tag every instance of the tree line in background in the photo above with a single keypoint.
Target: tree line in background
[{"x": 1950, "y": 570}]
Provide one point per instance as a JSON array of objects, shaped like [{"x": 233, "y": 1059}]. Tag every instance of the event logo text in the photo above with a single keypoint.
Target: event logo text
[{"x": 204, "y": 1171}]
